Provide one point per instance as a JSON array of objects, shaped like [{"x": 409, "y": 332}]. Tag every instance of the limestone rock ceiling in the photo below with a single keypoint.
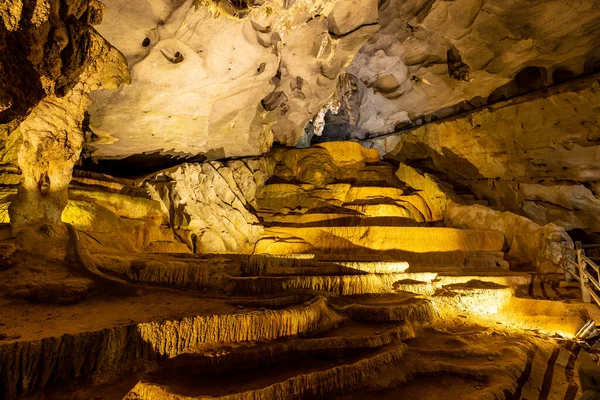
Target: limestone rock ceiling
[
  {"x": 216, "y": 80},
  {"x": 224, "y": 79},
  {"x": 432, "y": 59},
  {"x": 227, "y": 80}
]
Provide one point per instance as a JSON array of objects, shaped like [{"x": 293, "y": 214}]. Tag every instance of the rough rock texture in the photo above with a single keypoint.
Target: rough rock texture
[
  {"x": 432, "y": 59},
  {"x": 337, "y": 197},
  {"x": 548, "y": 248},
  {"x": 45, "y": 46},
  {"x": 206, "y": 208},
  {"x": 317, "y": 384},
  {"x": 111, "y": 216},
  {"x": 117, "y": 221},
  {"x": 27, "y": 366},
  {"x": 210, "y": 205},
  {"x": 60, "y": 60},
  {"x": 435, "y": 193},
  {"x": 210, "y": 78},
  {"x": 536, "y": 155}
]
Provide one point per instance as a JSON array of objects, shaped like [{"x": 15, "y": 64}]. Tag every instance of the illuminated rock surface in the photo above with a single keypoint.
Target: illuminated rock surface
[
  {"x": 205, "y": 82},
  {"x": 162, "y": 238},
  {"x": 536, "y": 155},
  {"x": 364, "y": 300}
]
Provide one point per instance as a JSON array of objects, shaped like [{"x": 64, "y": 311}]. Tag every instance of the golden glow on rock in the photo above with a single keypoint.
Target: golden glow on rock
[{"x": 377, "y": 267}]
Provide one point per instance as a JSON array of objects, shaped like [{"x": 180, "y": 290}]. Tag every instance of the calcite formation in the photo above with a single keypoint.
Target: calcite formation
[
  {"x": 27, "y": 366},
  {"x": 433, "y": 59},
  {"x": 210, "y": 205},
  {"x": 52, "y": 139}
]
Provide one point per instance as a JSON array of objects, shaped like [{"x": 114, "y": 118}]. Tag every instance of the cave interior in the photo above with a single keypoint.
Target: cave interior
[{"x": 299, "y": 199}]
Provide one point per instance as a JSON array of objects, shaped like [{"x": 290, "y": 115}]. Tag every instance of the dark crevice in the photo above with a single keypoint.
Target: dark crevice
[
  {"x": 353, "y": 30},
  {"x": 137, "y": 165}
]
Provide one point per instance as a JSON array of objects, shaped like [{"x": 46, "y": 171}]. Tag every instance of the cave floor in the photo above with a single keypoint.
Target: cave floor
[{"x": 246, "y": 327}]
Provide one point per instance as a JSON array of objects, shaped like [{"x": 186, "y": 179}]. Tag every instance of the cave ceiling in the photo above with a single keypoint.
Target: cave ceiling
[
  {"x": 225, "y": 80},
  {"x": 221, "y": 79}
]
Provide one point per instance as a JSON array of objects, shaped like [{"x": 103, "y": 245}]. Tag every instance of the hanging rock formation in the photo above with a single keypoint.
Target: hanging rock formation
[{"x": 434, "y": 59}]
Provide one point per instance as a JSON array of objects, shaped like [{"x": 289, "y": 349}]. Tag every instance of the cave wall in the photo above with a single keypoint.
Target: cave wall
[{"x": 536, "y": 155}]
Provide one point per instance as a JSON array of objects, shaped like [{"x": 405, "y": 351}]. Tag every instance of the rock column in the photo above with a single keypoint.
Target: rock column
[{"x": 53, "y": 139}]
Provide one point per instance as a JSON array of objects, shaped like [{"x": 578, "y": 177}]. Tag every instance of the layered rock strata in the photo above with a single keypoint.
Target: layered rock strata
[{"x": 535, "y": 155}]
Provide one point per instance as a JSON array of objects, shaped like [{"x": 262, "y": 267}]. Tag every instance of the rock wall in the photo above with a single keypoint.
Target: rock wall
[
  {"x": 210, "y": 205},
  {"x": 435, "y": 193},
  {"x": 548, "y": 248},
  {"x": 44, "y": 47},
  {"x": 536, "y": 155},
  {"x": 110, "y": 216}
]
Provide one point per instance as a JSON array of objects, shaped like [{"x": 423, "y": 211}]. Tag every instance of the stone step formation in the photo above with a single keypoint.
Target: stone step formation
[
  {"x": 355, "y": 288},
  {"x": 274, "y": 327}
]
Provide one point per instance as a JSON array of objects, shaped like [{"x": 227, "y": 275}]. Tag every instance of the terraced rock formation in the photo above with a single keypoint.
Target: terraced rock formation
[
  {"x": 535, "y": 155},
  {"x": 165, "y": 239},
  {"x": 372, "y": 329},
  {"x": 339, "y": 304}
]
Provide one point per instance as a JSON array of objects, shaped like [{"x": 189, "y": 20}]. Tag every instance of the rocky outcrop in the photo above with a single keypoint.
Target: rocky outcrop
[
  {"x": 572, "y": 206},
  {"x": 535, "y": 155},
  {"x": 61, "y": 59},
  {"x": 210, "y": 78},
  {"x": 210, "y": 205},
  {"x": 548, "y": 248}
]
